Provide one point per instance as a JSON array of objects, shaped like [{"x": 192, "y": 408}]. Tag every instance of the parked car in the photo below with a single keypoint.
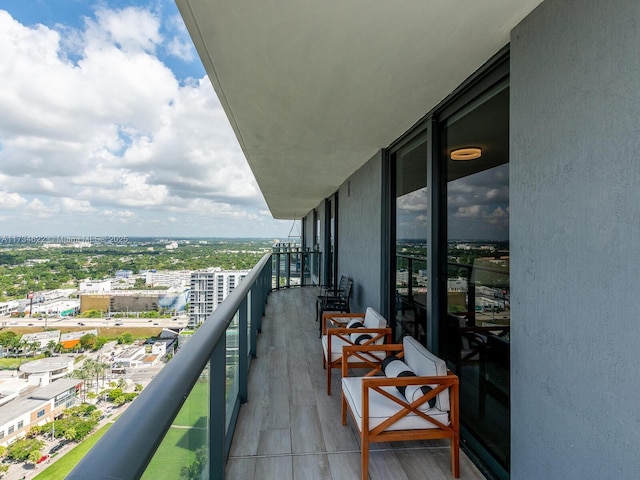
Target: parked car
[{"x": 57, "y": 447}]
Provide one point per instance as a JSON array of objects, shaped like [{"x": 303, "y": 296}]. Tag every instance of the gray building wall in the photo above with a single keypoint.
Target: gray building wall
[
  {"x": 359, "y": 237},
  {"x": 575, "y": 241}
]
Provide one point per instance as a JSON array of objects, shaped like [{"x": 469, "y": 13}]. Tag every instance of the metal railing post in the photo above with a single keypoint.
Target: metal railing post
[
  {"x": 217, "y": 410},
  {"x": 256, "y": 300},
  {"x": 288, "y": 269},
  {"x": 243, "y": 347}
]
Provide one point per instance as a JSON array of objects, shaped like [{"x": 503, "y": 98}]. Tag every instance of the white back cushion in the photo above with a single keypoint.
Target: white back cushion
[
  {"x": 372, "y": 319},
  {"x": 426, "y": 364}
]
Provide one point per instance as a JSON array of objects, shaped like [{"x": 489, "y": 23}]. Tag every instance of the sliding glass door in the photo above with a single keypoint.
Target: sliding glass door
[
  {"x": 411, "y": 227},
  {"x": 474, "y": 328},
  {"x": 448, "y": 210}
]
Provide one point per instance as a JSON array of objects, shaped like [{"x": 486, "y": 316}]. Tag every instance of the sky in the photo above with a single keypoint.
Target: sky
[{"x": 109, "y": 125}]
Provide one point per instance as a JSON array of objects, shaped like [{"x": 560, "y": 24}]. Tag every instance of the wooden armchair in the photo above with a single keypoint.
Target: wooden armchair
[
  {"x": 426, "y": 409},
  {"x": 339, "y": 330}
]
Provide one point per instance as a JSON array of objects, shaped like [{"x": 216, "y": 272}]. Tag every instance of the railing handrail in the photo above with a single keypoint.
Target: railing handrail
[{"x": 126, "y": 449}]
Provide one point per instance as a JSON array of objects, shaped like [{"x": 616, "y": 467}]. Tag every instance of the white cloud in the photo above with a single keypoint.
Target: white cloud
[
  {"x": 95, "y": 128},
  {"x": 10, "y": 201}
]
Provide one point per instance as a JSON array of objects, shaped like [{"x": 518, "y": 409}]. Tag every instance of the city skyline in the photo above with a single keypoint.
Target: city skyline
[{"x": 109, "y": 125}]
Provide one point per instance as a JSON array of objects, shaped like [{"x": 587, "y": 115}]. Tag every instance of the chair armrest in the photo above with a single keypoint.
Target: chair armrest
[
  {"x": 328, "y": 318},
  {"x": 345, "y": 334},
  {"x": 359, "y": 351}
]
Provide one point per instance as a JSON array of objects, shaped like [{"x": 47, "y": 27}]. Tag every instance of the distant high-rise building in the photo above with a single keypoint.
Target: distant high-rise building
[{"x": 208, "y": 289}]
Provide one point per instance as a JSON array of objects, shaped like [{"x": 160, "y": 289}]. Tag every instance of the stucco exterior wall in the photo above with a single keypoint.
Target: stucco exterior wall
[
  {"x": 359, "y": 237},
  {"x": 575, "y": 240}
]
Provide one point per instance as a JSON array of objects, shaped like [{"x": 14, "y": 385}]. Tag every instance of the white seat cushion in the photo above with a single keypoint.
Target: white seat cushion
[{"x": 381, "y": 408}]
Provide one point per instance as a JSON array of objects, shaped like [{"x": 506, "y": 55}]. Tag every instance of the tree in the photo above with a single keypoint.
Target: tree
[
  {"x": 85, "y": 376},
  {"x": 8, "y": 338},
  {"x": 88, "y": 341},
  {"x": 194, "y": 471},
  {"x": 34, "y": 456},
  {"x": 21, "y": 449},
  {"x": 70, "y": 434},
  {"x": 51, "y": 346},
  {"x": 126, "y": 338}
]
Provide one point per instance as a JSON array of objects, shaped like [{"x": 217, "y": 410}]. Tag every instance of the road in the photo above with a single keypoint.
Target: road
[{"x": 8, "y": 322}]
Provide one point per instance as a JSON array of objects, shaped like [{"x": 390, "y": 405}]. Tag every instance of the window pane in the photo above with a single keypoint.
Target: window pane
[
  {"x": 475, "y": 328},
  {"x": 412, "y": 225}
]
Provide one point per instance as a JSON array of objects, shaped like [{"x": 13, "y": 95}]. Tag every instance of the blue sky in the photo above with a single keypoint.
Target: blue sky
[{"x": 110, "y": 126}]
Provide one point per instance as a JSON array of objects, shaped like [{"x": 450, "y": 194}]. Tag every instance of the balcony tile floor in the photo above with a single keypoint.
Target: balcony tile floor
[{"x": 291, "y": 429}]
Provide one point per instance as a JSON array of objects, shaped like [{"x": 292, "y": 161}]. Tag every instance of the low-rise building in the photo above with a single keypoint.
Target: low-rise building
[
  {"x": 132, "y": 357},
  {"x": 41, "y": 339},
  {"x": 36, "y": 407},
  {"x": 71, "y": 339},
  {"x": 45, "y": 370}
]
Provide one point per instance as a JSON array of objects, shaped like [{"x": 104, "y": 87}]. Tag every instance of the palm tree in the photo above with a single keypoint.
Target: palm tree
[
  {"x": 106, "y": 367},
  {"x": 23, "y": 345},
  {"x": 81, "y": 374},
  {"x": 51, "y": 346}
]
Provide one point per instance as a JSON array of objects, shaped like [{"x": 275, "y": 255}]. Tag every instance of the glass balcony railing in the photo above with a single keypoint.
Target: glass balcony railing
[
  {"x": 182, "y": 424},
  {"x": 294, "y": 266}
]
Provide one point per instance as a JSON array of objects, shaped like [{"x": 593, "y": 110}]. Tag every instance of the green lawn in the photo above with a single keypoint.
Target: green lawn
[
  {"x": 188, "y": 433},
  {"x": 62, "y": 467}
]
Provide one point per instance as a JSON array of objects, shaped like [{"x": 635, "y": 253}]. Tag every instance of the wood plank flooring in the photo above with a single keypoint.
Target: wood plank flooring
[{"x": 291, "y": 429}]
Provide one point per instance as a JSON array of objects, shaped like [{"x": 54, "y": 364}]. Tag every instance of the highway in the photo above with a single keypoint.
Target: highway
[{"x": 60, "y": 322}]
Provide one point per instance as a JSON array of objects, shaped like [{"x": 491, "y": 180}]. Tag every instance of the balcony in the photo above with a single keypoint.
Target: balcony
[
  {"x": 214, "y": 412},
  {"x": 290, "y": 428}
]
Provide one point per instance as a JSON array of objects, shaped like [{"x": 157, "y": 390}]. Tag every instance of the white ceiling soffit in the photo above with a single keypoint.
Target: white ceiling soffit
[{"x": 313, "y": 89}]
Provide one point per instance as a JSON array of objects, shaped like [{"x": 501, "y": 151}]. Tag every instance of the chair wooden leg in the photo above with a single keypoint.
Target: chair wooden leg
[
  {"x": 365, "y": 459},
  {"x": 455, "y": 456},
  {"x": 344, "y": 410}
]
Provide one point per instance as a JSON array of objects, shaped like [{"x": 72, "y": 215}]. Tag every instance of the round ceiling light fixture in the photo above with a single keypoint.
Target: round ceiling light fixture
[{"x": 470, "y": 153}]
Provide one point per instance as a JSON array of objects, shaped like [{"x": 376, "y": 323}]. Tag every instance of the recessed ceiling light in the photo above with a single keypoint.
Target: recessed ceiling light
[{"x": 470, "y": 153}]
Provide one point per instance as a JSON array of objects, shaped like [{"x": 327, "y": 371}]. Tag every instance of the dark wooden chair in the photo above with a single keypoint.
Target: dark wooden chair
[{"x": 329, "y": 291}]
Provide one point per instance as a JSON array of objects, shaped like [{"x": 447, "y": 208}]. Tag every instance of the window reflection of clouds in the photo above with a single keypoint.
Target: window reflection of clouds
[
  {"x": 413, "y": 201},
  {"x": 411, "y": 215},
  {"x": 478, "y": 205}
]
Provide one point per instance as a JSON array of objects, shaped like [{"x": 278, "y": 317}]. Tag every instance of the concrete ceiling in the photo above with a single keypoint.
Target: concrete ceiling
[{"x": 313, "y": 89}]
